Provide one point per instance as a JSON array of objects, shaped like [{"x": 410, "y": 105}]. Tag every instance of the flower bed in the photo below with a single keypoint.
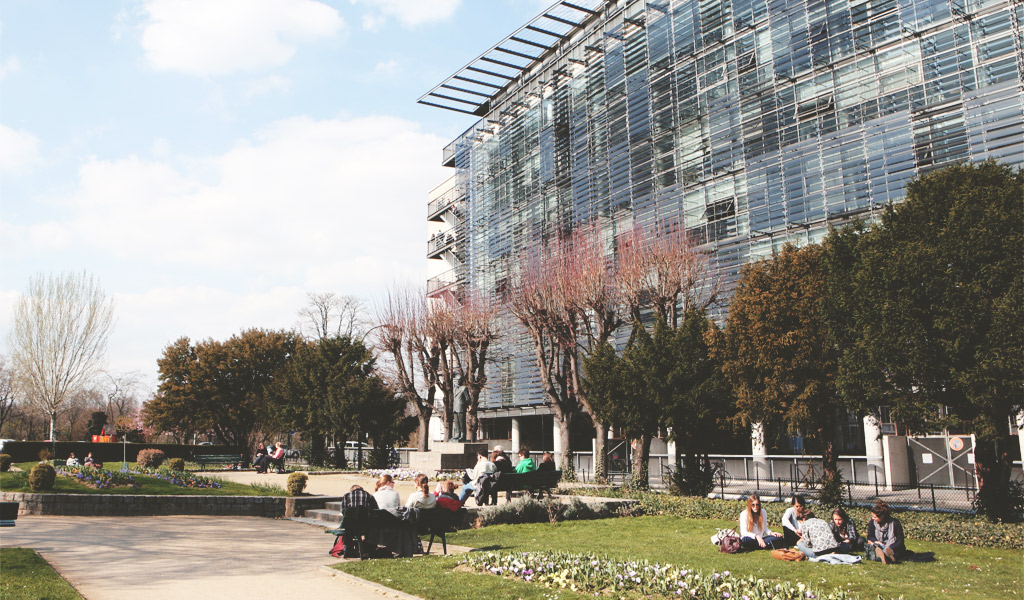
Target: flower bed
[
  {"x": 179, "y": 478},
  {"x": 407, "y": 475},
  {"x": 100, "y": 479},
  {"x": 604, "y": 576}
]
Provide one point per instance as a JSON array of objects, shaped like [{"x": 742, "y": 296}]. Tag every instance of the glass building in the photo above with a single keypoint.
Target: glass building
[{"x": 750, "y": 123}]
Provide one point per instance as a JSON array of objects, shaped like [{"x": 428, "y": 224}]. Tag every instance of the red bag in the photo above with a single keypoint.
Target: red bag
[
  {"x": 339, "y": 547},
  {"x": 730, "y": 544}
]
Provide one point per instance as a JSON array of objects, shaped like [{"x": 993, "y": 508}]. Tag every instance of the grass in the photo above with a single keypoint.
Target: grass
[
  {"x": 981, "y": 572},
  {"x": 18, "y": 482},
  {"x": 26, "y": 576}
]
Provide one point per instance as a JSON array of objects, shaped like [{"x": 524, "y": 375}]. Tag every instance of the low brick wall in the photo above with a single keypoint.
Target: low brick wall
[{"x": 102, "y": 505}]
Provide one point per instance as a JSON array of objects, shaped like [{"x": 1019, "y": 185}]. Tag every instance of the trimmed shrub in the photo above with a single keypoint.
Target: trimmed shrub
[
  {"x": 150, "y": 458},
  {"x": 296, "y": 483},
  {"x": 41, "y": 477},
  {"x": 176, "y": 464},
  {"x": 5, "y": 462},
  {"x": 45, "y": 454}
]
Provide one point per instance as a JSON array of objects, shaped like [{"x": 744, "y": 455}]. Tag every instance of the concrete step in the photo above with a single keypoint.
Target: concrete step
[
  {"x": 322, "y": 514},
  {"x": 333, "y": 506}
]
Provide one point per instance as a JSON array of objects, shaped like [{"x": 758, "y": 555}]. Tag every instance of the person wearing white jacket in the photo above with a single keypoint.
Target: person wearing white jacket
[{"x": 754, "y": 531}]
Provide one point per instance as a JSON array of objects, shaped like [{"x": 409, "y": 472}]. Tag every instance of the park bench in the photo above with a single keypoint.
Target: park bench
[
  {"x": 535, "y": 483},
  {"x": 436, "y": 522},
  {"x": 216, "y": 459},
  {"x": 8, "y": 513}
]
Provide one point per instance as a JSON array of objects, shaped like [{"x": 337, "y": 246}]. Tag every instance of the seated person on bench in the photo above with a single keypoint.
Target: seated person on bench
[{"x": 276, "y": 457}]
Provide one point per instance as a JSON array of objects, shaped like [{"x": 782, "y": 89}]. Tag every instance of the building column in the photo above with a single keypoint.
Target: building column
[
  {"x": 515, "y": 436},
  {"x": 757, "y": 449},
  {"x": 1020, "y": 433},
  {"x": 556, "y": 442},
  {"x": 873, "y": 448}
]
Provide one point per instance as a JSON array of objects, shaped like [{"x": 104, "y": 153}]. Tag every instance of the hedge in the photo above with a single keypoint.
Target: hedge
[
  {"x": 108, "y": 452},
  {"x": 966, "y": 530}
]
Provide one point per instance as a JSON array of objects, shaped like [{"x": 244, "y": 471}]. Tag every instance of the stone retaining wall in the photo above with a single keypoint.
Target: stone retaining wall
[{"x": 103, "y": 505}]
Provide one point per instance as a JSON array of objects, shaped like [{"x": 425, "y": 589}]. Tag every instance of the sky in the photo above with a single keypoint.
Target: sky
[{"x": 211, "y": 162}]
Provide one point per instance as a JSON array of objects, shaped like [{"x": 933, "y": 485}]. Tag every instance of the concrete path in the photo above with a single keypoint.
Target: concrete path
[{"x": 172, "y": 557}]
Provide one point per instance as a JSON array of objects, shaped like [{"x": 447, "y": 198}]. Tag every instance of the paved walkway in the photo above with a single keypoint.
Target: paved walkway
[{"x": 172, "y": 557}]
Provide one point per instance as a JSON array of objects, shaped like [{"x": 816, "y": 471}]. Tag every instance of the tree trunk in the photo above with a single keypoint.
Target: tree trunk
[
  {"x": 424, "y": 429},
  {"x": 53, "y": 425},
  {"x": 471, "y": 425},
  {"x": 641, "y": 460},
  {"x": 600, "y": 452},
  {"x": 564, "y": 420},
  {"x": 993, "y": 469},
  {"x": 340, "y": 441}
]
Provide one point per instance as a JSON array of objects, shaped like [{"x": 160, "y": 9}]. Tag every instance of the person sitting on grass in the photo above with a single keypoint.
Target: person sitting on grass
[
  {"x": 816, "y": 535},
  {"x": 885, "y": 536},
  {"x": 754, "y": 531},
  {"x": 791, "y": 521},
  {"x": 845, "y": 531},
  {"x": 91, "y": 462},
  {"x": 421, "y": 498},
  {"x": 525, "y": 464},
  {"x": 71, "y": 461}
]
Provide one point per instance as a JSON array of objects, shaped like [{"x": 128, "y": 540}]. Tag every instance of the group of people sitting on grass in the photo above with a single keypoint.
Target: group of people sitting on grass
[
  {"x": 816, "y": 537},
  {"x": 482, "y": 481},
  {"x": 89, "y": 461}
]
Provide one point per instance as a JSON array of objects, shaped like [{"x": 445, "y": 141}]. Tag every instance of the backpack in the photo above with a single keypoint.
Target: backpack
[{"x": 730, "y": 544}]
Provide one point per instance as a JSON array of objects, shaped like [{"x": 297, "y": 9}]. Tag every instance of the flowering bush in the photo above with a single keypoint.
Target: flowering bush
[
  {"x": 407, "y": 475},
  {"x": 98, "y": 478},
  {"x": 150, "y": 458},
  {"x": 590, "y": 574},
  {"x": 179, "y": 478}
]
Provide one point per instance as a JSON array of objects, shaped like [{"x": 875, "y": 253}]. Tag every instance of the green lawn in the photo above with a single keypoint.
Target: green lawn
[
  {"x": 24, "y": 575},
  {"x": 979, "y": 572},
  {"x": 18, "y": 482}
]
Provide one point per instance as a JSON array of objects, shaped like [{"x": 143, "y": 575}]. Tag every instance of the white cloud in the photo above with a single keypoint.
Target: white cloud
[
  {"x": 410, "y": 13},
  {"x": 216, "y": 37},
  {"x": 327, "y": 200},
  {"x": 19, "y": 150},
  {"x": 266, "y": 85},
  {"x": 388, "y": 67},
  {"x": 10, "y": 66}
]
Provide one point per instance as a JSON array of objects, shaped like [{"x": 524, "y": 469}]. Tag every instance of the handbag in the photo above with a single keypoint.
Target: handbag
[
  {"x": 790, "y": 554},
  {"x": 716, "y": 539},
  {"x": 730, "y": 544}
]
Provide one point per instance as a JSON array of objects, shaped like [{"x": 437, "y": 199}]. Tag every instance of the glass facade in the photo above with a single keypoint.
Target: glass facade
[{"x": 750, "y": 123}]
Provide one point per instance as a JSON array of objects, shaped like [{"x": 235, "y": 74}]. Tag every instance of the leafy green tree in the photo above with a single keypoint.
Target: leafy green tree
[
  {"x": 939, "y": 313},
  {"x": 223, "y": 387},
  {"x": 330, "y": 388},
  {"x": 780, "y": 357}
]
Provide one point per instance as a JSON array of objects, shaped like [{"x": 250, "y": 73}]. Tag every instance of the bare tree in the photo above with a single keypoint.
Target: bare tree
[
  {"x": 474, "y": 331},
  {"x": 59, "y": 338},
  {"x": 663, "y": 269},
  {"x": 412, "y": 364},
  {"x": 121, "y": 392},
  {"x": 7, "y": 396},
  {"x": 328, "y": 314}
]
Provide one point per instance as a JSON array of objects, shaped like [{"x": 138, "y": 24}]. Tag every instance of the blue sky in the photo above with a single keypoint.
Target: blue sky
[{"x": 213, "y": 161}]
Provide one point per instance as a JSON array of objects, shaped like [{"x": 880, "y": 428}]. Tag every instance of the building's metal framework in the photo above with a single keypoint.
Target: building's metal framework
[{"x": 751, "y": 123}]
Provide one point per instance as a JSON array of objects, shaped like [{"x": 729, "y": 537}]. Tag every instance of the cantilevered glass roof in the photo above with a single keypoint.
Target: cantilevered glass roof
[{"x": 471, "y": 89}]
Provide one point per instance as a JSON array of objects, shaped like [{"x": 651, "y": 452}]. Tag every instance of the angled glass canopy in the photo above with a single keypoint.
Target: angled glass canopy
[{"x": 471, "y": 89}]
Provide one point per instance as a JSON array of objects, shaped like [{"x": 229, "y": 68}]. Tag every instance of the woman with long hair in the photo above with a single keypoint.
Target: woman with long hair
[
  {"x": 846, "y": 532},
  {"x": 385, "y": 495},
  {"x": 421, "y": 498},
  {"x": 754, "y": 531}
]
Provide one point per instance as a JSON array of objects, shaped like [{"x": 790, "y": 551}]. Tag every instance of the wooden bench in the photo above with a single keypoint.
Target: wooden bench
[
  {"x": 535, "y": 483},
  {"x": 215, "y": 459}
]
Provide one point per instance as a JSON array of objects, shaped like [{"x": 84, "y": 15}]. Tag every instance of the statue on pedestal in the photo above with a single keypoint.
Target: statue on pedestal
[{"x": 460, "y": 401}]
